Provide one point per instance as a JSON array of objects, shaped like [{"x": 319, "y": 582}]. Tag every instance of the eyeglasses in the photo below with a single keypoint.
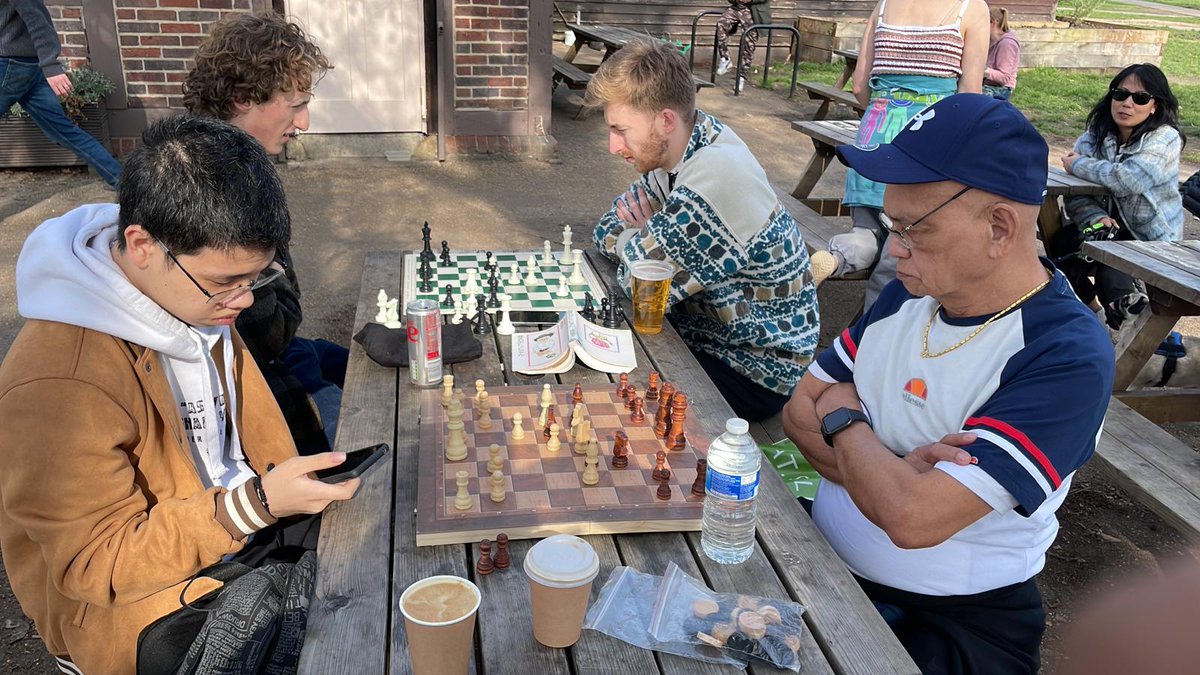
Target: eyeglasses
[
  {"x": 903, "y": 235},
  {"x": 273, "y": 271},
  {"x": 1139, "y": 97}
]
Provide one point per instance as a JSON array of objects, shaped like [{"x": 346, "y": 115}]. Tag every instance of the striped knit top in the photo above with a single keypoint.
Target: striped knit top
[{"x": 935, "y": 51}]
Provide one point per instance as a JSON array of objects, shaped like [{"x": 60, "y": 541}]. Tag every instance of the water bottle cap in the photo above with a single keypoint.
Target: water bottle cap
[{"x": 737, "y": 425}]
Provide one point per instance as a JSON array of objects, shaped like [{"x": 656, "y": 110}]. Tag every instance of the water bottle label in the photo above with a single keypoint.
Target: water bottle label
[{"x": 737, "y": 488}]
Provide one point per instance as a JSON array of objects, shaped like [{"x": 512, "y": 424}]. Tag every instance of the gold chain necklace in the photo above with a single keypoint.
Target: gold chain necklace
[{"x": 999, "y": 315}]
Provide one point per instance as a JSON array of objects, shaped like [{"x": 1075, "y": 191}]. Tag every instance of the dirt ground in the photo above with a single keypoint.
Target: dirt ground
[{"x": 343, "y": 208}]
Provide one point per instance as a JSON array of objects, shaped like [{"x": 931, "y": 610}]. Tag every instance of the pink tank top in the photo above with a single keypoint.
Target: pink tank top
[{"x": 935, "y": 51}]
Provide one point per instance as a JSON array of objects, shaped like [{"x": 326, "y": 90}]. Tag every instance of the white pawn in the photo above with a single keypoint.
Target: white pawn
[
  {"x": 495, "y": 462},
  {"x": 479, "y": 387},
  {"x": 563, "y": 291},
  {"x": 462, "y": 501},
  {"x": 554, "y": 444},
  {"x": 577, "y": 273},
  {"x": 518, "y": 432},
  {"x": 591, "y": 475},
  {"x": 531, "y": 269},
  {"x": 458, "y": 313},
  {"x": 382, "y": 303},
  {"x": 514, "y": 275},
  {"x": 498, "y": 492},
  {"x": 447, "y": 390},
  {"x": 547, "y": 255},
  {"x": 506, "y": 326},
  {"x": 472, "y": 286},
  {"x": 483, "y": 412},
  {"x": 547, "y": 397}
]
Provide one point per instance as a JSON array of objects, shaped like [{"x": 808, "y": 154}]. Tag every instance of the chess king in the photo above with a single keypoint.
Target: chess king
[
  {"x": 741, "y": 295},
  {"x": 140, "y": 444}
]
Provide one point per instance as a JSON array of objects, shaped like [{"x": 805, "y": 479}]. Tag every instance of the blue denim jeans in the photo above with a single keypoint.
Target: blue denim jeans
[{"x": 21, "y": 81}]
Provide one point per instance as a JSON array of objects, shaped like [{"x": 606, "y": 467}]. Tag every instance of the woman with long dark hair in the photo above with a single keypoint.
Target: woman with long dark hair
[{"x": 1131, "y": 146}]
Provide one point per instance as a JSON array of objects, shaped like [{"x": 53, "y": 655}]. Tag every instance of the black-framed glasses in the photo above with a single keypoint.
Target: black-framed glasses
[
  {"x": 273, "y": 272},
  {"x": 1139, "y": 97},
  {"x": 903, "y": 235}
]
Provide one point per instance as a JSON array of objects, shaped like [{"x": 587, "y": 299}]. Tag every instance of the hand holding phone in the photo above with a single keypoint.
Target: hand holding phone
[
  {"x": 297, "y": 486},
  {"x": 357, "y": 463}
]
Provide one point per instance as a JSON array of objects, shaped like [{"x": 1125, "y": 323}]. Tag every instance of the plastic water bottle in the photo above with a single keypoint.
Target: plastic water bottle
[{"x": 731, "y": 486}]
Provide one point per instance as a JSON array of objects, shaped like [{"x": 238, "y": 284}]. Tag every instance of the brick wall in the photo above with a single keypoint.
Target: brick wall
[
  {"x": 68, "y": 20},
  {"x": 491, "y": 60},
  {"x": 158, "y": 39}
]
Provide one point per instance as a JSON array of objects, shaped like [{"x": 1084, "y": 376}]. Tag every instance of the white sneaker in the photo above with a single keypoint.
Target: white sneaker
[
  {"x": 724, "y": 67},
  {"x": 741, "y": 84}
]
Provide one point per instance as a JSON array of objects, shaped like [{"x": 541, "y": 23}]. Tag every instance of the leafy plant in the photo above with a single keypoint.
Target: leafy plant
[
  {"x": 1080, "y": 11},
  {"x": 88, "y": 86}
]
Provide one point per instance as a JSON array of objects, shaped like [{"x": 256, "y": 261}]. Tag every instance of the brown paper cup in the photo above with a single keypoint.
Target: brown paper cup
[
  {"x": 441, "y": 648},
  {"x": 558, "y": 613}
]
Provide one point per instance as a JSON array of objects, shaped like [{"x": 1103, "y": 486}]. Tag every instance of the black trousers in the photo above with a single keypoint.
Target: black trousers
[
  {"x": 749, "y": 400},
  {"x": 285, "y": 541},
  {"x": 997, "y": 632}
]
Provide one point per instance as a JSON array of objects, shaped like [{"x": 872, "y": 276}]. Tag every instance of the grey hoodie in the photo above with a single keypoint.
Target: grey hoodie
[
  {"x": 66, "y": 273},
  {"x": 26, "y": 30}
]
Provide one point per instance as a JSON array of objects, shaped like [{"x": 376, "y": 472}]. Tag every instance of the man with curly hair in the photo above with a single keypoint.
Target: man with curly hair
[{"x": 257, "y": 72}]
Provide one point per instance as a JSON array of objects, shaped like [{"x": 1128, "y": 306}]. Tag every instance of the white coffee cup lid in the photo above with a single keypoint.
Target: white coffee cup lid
[{"x": 562, "y": 561}]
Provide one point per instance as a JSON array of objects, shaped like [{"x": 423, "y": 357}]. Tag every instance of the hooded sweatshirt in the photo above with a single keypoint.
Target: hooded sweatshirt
[{"x": 66, "y": 273}]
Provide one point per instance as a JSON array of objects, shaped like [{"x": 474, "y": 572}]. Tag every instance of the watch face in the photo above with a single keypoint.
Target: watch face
[{"x": 837, "y": 420}]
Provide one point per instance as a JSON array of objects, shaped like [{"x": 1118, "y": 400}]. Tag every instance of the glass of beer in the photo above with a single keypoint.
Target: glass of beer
[
  {"x": 651, "y": 287},
  {"x": 439, "y": 618}
]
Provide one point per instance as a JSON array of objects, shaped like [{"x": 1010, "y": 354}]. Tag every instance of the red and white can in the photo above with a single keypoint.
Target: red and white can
[{"x": 424, "y": 318}]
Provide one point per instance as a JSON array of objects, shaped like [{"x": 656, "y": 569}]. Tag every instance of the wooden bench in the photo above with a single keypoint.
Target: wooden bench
[
  {"x": 829, "y": 95},
  {"x": 570, "y": 73},
  {"x": 1153, "y": 466}
]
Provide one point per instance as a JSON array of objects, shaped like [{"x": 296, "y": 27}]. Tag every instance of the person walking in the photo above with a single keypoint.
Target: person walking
[
  {"x": 31, "y": 75},
  {"x": 740, "y": 13}
]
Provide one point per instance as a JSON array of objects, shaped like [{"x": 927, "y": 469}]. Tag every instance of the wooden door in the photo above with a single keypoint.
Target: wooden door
[{"x": 377, "y": 48}]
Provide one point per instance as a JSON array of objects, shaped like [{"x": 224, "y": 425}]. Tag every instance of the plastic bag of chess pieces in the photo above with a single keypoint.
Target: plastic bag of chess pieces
[
  {"x": 624, "y": 608},
  {"x": 746, "y": 627}
]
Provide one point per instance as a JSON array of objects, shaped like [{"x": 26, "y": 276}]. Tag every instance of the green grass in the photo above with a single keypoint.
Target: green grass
[
  {"x": 780, "y": 76},
  {"x": 1190, "y": 4}
]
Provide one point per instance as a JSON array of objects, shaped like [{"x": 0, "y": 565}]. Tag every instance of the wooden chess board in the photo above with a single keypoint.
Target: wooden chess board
[
  {"x": 541, "y": 297},
  {"x": 544, "y": 493}
]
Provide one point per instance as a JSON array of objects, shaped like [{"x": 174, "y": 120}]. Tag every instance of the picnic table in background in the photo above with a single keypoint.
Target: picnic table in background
[
  {"x": 826, "y": 135},
  {"x": 367, "y": 553},
  {"x": 837, "y": 93},
  {"x": 613, "y": 39},
  {"x": 851, "y": 57}
]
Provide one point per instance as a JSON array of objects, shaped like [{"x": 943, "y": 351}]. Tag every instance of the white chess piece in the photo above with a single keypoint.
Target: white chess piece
[
  {"x": 554, "y": 444},
  {"x": 458, "y": 313},
  {"x": 393, "y": 314},
  {"x": 471, "y": 288},
  {"x": 518, "y": 431},
  {"x": 547, "y": 399},
  {"x": 563, "y": 290},
  {"x": 547, "y": 254},
  {"x": 566, "y": 256},
  {"x": 381, "y": 302},
  {"x": 531, "y": 269},
  {"x": 577, "y": 273},
  {"x": 514, "y": 276},
  {"x": 495, "y": 461},
  {"x": 462, "y": 501},
  {"x": 447, "y": 390},
  {"x": 506, "y": 326},
  {"x": 498, "y": 491}
]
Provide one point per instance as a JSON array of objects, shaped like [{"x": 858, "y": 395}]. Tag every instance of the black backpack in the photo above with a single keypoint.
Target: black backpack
[{"x": 1191, "y": 194}]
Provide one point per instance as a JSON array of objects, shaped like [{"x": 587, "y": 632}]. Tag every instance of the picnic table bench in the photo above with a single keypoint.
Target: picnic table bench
[
  {"x": 565, "y": 71},
  {"x": 367, "y": 553},
  {"x": 612, "y": 39},
  {"x": 831, "y": 95}
]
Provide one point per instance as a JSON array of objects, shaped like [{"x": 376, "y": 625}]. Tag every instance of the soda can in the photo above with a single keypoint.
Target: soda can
[{"x": 424, "y": 318}]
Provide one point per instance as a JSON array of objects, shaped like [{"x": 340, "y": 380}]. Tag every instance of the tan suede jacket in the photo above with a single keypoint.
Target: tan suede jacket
[{"x": 103, "y": 517}]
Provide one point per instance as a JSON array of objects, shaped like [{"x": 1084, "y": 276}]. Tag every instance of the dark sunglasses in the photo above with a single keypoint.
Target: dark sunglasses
[{"x": 1139, "y": 97}]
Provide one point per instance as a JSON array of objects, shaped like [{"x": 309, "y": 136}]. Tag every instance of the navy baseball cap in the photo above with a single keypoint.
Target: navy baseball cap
[{"x": 971, "y": 139}]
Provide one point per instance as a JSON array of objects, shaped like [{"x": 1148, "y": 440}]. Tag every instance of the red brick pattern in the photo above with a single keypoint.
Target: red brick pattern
[
  {"x": 158, "y": 40},
  {"x": 491, "y": 59},
  {"x": 68, "y": 20}
]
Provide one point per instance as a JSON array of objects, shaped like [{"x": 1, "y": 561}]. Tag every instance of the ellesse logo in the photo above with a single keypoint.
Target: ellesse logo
[{"x": 916, "y": 393}]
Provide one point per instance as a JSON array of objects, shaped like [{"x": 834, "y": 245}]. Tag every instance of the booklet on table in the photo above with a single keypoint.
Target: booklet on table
[{"x": 554, "y": 349}]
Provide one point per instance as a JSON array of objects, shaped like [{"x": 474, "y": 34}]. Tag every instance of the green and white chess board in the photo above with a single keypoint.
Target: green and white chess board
[{"x": 539, "y": 297}]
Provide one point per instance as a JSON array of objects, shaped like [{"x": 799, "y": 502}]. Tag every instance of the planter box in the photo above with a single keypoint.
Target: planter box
[
  {"x": 1043, "y": 43},
  {"x": 23, "y": 145}
]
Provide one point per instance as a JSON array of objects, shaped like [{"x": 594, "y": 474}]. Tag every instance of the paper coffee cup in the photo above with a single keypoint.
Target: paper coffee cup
[
  {"x": 441, "y": 644},
  {"x": 560, "y": 570}
]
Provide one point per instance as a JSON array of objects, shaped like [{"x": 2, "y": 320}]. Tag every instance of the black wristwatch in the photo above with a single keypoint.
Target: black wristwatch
[{"x": 838, "y": 420}]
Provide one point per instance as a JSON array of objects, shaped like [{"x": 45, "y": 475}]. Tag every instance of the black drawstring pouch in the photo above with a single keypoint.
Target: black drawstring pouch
[{"x": 389, "y": 347}]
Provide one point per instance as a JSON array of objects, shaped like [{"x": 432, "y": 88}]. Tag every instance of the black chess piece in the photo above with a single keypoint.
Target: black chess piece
[
  {"x": 448, "y": 301},
  {"x": 426, "y": 250},
  {"x": 493, "y": 300},
  {"x": 589, "y": 307},
  {"x": 488, "y": 263},
  {"x": 426, "y": 275},
  {"x": 618, "y": 316},
  {"x": 446, "y": 253},
  {"x": 483, "y": 323},
  {"x": 605, "y": 311}
]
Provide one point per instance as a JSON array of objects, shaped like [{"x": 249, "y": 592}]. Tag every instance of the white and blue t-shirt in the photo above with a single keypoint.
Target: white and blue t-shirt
[{"x": 1033, "y": 386}]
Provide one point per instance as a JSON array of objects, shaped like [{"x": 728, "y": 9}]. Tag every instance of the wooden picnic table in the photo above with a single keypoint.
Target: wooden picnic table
[
  {"x": 368, "y": 554},
  {"x": 1171, "y": 272},
  {"x": 826, "y": 135},
  {"x": 613, "y": 38},
  {"x": 851, "y": 57}
]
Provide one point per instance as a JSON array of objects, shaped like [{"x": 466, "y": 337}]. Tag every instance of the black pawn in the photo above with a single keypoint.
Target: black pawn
[
  {"x": 589, "y": 307},
  {"x": 605, "y": 310},
  {"x": 488, "y": 262},
  {"x": 493, "y": 300},
  {"x": 425, "y": 274},
  {"x": 483, "y": 325},
  {"x": 446, "y": 253},
  {"x": 448, "y": 301}
]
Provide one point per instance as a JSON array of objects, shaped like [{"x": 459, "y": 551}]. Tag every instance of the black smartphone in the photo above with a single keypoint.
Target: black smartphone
[{"x": 357, "y": 463}]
